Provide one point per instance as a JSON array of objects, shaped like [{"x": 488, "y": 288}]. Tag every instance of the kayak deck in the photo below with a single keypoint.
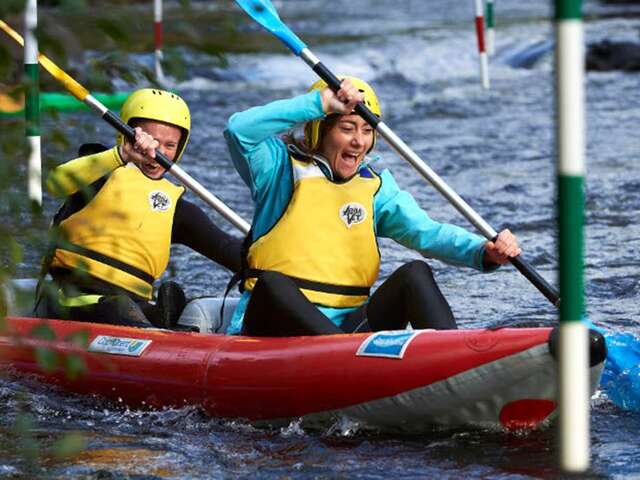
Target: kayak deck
[{"x": 394, "y": 381}]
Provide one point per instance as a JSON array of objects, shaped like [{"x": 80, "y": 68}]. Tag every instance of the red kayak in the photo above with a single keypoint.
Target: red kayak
[{"x": 405, "y": 381}]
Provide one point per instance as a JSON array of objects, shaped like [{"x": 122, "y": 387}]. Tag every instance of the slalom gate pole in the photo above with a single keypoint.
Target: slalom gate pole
[
  {"x": 32, "y": 102},
  {"x": 574, "y": 439},
  {"x": 491, "y": 25},
  {"x": 157, "y": 36},
  {"x": 484, "y": 60}
]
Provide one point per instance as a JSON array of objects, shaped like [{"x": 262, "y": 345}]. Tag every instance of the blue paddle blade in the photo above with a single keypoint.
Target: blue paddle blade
[
  {"x": 263, "y": 12},
  {"x": 621, "y": 376}
]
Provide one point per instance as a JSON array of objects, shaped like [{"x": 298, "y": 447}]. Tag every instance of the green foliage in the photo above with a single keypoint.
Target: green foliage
[
  {"x": 79, "y": 338},
  {"x": 72, "y": 6},
  {"x": 5, "y": 61},
  {"x": 92, "y": 41},
  {"x": 7, "y": 253},
  {"x": 26, "y": 444},
  {"x": 59, "y": 138},
  {"x": 10, "y": 249},
  {"x": 52, "y": 44},
  {"x": 43, "y": 331},
  {"x": 173, "y": 64},
  {"x": 11, "y": 7},
  {"x": 48, "y": 359},
  {"x": 114, "y": 30},
  {"x": 69, "y": 445},
  {"x": 35, "y": 449},
  {"x": 102, "y": 69},
  {"x": 74, "y": 366}
]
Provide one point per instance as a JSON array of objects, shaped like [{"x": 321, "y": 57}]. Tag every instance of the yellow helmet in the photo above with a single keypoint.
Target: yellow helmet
[
  {"x": 159, "y": 105},
  {"x": 312, "y": 129}
]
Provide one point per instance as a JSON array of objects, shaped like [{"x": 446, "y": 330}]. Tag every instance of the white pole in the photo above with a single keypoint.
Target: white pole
[{"x": 157, "y": 29}]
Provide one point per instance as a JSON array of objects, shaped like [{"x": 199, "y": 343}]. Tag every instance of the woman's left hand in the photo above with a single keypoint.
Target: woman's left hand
[{"x": 504, "y": 248}]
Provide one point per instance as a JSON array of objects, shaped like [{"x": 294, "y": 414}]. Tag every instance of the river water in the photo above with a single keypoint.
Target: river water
[{"x": 495, "y": 148}]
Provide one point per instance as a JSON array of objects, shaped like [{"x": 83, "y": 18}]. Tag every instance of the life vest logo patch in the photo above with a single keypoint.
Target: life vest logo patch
[
  {"x": 352, "y": 214},
  {"x": 159, "y": 201}
]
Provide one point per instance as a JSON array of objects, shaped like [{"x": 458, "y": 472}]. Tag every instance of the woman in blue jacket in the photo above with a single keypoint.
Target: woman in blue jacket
[{"x": 312, "y": 253}]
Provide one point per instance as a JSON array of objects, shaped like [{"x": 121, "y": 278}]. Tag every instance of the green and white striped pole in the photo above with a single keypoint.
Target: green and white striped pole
[
  {"x": 32, "y": 101},
  {"x": 574, "y": 438},
  {"x": 491, "y": 25}
]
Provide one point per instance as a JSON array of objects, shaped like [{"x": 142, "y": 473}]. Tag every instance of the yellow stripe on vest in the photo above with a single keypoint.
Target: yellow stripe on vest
[{"x": 78, "y": 301}]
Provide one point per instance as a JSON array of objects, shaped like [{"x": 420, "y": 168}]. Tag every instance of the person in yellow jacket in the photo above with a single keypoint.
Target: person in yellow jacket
[
  {"x": 114, "y": 231},
  {"x": 319, "y": 209}
]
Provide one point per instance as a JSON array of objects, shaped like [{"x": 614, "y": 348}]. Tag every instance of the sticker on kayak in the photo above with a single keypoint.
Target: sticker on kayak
[
  {"x": 132, "y": 347},
  {"x": 386, "y": 344}
]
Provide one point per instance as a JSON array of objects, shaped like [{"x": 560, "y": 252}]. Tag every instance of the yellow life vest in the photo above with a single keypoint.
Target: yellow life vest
[
  {"x": 325, "y": 240},
  {"x": 123, "y": 235}
]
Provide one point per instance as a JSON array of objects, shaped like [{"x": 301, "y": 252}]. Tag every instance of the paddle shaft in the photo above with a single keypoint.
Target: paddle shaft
[
  {"x": 182, "y": 176},
  {"x": 82, "y": 94},
  {"x": 423, "y": 169},
  {"x": 263, "y": 12}
]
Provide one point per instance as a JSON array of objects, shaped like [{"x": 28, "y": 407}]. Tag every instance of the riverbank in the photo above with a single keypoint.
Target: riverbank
[{"x": 95, "y": 44}]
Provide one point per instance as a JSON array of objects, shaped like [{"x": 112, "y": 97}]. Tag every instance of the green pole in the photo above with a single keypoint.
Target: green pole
[
  {"x": 491, "y": 26},
  {"x": 32, "y": 103},
  {"x": 574, "y": 439}
]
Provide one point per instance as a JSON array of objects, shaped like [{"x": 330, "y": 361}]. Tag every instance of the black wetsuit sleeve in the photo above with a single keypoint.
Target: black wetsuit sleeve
[{"x": 193, "y": 228}]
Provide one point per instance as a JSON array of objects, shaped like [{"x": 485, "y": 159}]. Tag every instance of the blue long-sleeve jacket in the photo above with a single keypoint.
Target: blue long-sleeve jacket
[{"x": 262, "y": 160}]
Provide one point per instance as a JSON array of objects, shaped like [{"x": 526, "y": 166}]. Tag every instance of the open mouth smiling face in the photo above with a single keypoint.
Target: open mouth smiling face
[
  {"x": 168, "y": 138},
  {"x": 345, "y": 144}
]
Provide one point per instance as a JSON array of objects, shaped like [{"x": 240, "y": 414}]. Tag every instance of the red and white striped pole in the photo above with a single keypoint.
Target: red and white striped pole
[
  {"x": 484, "y": 61},
  {"x": 157, "y": 30}
]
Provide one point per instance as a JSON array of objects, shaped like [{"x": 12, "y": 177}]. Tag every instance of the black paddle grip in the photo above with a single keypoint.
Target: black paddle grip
[
  {"x": 334, "y": 83},
  {"x": 538, "y": 281},
  {"x": 129, "y": 133},
  {"x": 327, "y": 75}
]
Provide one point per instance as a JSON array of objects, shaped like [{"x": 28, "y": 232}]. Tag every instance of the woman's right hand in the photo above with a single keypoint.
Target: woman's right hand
[
  {"x": 144, "y": 147},
  {"x": 344, "y": 101}
]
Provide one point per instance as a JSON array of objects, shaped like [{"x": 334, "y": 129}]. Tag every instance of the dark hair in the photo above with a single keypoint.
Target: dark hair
[{"x": 290, "y": 138}]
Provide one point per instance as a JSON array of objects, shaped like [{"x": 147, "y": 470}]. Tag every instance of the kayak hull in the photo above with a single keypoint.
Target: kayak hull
[{"x": 393, "y": 381}]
